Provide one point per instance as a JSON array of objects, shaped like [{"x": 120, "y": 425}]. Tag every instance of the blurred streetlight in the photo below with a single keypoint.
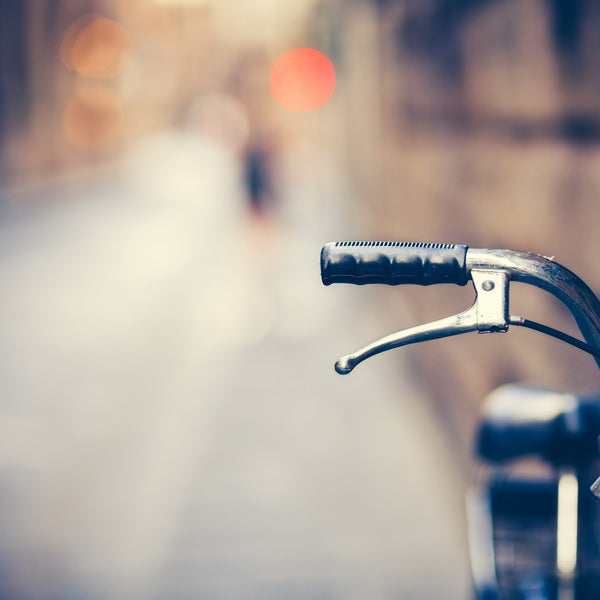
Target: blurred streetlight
[{"x": 95, "y": 46}]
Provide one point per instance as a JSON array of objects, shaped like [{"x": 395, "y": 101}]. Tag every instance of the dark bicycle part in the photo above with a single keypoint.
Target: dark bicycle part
[
  {"x": 512, "y": 526},
  {"x": 396, "y": 263},
  {"x": 393, "y": 263},
  {"x": 512, "y": 538},
  {"x": 532, "y": 537},
  {"x": 518, "y": 421}
]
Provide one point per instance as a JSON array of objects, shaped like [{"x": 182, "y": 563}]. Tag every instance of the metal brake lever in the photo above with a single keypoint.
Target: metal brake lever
[{"x": 489, "y": 314}]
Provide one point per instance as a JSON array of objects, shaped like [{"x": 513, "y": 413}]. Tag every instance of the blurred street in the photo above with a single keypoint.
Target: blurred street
[{"x": 171, "y": 425}]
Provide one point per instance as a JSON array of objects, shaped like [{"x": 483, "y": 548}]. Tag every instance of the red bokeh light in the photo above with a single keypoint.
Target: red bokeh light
[
  {"x": 96, "y": 47},
  {"x": 93, "y": 117},
  {"x": 302, "y": 79}
]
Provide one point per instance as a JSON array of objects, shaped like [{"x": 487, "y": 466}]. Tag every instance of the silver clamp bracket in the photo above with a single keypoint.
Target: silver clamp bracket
[
  {"x": 491, "y": 302},
  {"x": 489, "y": 314}
]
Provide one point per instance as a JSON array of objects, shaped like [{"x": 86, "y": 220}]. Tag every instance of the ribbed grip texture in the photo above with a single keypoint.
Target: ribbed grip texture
[{"x": 393, "y": 263}]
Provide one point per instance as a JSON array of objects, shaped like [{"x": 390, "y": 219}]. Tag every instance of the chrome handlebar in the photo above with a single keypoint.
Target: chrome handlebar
[
  {"x": 491, "y": 272},
  {"x": 548, "y": 275}
]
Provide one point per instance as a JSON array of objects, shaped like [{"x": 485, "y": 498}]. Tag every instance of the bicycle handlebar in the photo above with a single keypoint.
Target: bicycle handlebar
[
  {"x": 548, "y": 275},
  {"x": 396, "y": 263},
  {"x": 393, "y": 263}
]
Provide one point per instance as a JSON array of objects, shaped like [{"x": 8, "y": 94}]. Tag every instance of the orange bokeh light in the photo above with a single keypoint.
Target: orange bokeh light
[
  {"x": 93, "y": 118},
  {"x": 95, "y": 46},
  {"x": 302, "y": 79}
]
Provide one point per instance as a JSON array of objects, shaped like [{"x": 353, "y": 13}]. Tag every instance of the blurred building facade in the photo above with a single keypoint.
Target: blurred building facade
[
  {"x": 488, "y": 135},
  {"x": 81, "y": 79},
  {"x": 470, "y": 121}
]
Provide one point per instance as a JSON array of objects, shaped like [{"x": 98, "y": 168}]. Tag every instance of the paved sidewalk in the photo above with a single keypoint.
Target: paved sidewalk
[{"x": 171, "y": 424}]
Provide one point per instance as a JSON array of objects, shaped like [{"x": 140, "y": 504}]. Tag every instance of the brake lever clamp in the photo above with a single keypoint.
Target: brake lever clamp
[
  {"x": 488, "y": 314},
  {"x": 491, "y": 300}
]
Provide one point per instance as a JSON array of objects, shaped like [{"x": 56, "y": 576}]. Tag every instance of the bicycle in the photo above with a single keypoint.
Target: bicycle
[{"x": 531, "y": 536}]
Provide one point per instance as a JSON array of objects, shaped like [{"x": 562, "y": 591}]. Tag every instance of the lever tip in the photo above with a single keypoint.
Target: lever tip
[{"x": 344, "y": 365}]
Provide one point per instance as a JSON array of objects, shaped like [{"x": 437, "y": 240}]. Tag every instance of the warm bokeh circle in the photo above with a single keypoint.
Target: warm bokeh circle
[
  {"x": 93, "y": 117},
  {"x": 95, "y": 47},
  {"x": 302, "y": 79}
]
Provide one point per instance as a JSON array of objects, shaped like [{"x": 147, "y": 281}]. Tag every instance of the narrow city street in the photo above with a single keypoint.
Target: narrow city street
[{"x": 171, "y": 426}]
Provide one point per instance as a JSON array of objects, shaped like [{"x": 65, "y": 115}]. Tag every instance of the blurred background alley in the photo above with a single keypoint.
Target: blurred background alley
[{"x": 171, "y": 426}]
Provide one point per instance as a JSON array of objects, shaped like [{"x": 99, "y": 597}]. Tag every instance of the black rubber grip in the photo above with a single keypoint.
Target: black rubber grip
[{"x": 393, "y": 263}]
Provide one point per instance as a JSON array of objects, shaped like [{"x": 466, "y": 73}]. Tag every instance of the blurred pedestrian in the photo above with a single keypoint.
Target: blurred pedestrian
[{"x": 258, "y": 178}]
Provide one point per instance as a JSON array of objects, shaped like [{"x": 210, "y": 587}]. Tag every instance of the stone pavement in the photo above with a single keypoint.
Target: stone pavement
[{"x": 171, "y": 426}]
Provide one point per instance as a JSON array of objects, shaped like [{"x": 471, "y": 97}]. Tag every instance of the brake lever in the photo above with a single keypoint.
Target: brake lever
[{"x": 488, "y": 314}]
